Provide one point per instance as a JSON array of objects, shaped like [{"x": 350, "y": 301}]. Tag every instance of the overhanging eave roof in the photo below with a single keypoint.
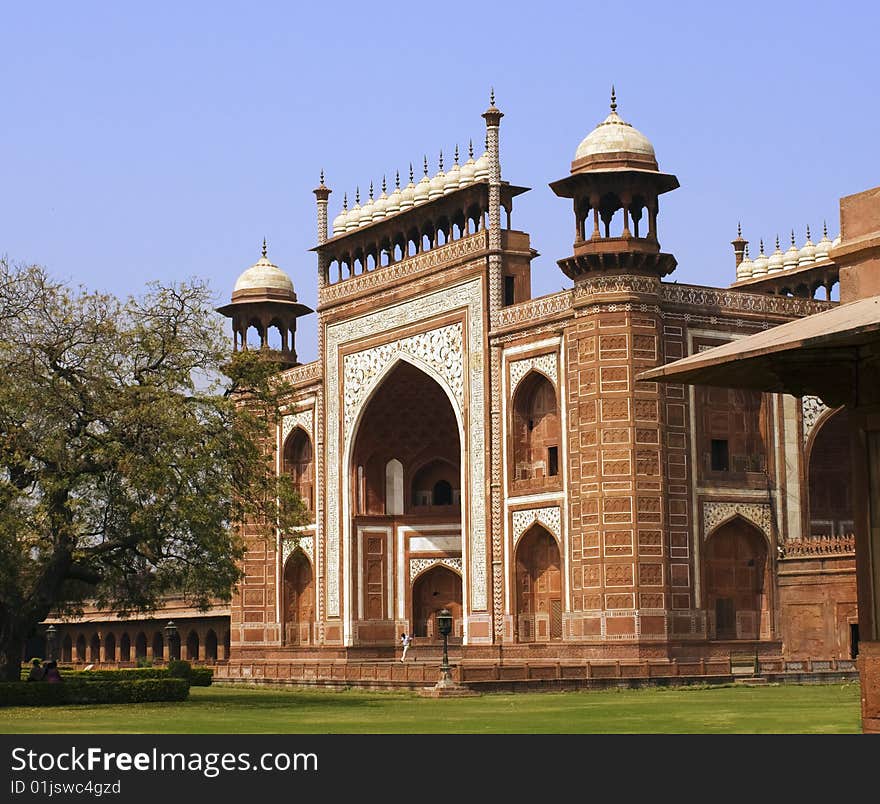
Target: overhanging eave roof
[{"x": 817, "y": 355}]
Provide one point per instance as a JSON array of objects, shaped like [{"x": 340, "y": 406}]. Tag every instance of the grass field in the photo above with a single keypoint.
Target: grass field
[{"x": 771, "y": 709}]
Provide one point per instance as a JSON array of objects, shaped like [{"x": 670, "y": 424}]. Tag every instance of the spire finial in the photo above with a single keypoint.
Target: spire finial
[
  {"x": 410, "y": 173},
  {"x": 825, "y": 229},
  {"x": 792, "y": 236},
  {"x": 777, "y": 243},
  {"x": 739, "y": 229},
  {"x": 613, "y": 99},
  {"x": 345, "y": 202},
  {"x": 371, "y": 190},
  {"x": 747, "y": 250},
  {"x": 425, "y": 164},
  {"x": 808, "y": 231},
  {"x": 357, "y": 195},
  {"x": 456, "y": 153},
  {"x": 322, "y": 177},
  {"x": 383, "y": 185},
  {"x": 470, "y": 149},
  {"x": 441, "y": 160},
  {"x": 396, "y": 179},
  {"x": 264, "y": 247},
  {"x": 491, "y": 96},
  {"x": 762, "y": 246}
]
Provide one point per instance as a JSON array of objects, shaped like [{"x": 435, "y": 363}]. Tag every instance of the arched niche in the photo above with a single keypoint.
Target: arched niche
[
  {"x": 298, "y": 462},
  {"x": 299, "y": 599},
  {"x": 535, "y": 433},
  {"x": 538, "y": 591},
  {"x": 830, "y": 478},
  {"x": 736, "y": 570},
  {"x": 437, "y": 588}
]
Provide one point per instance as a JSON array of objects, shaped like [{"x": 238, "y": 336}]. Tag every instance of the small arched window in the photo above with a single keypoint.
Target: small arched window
[{"x": 298, "y": 463}]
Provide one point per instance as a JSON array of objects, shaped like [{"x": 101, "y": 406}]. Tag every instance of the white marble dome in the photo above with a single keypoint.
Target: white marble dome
[
  {"x": 263, "y": 275},
  {"x": 614, "y": 135}
]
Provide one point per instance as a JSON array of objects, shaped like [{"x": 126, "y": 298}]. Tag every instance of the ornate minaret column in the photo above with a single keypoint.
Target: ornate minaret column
[
  {"x": 322, "y": 195},
  {"x": 493, "y": 116}
]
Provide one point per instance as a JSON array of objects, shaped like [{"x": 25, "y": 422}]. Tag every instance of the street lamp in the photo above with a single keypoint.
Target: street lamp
[
  {"x": 51, "y": 637},
  {"x": 444, "y": 626},
  {"x": 171, "y": 637}
]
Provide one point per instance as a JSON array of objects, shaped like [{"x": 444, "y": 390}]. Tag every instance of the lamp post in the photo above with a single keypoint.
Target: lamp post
[
  {"x": 51, "y": 637},
  {"x": 171, "y": 637},
  {"x": 444, "y": 626}
]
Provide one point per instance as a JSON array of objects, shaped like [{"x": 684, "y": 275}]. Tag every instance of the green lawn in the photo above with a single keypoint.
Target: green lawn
[{"x": 786, "y": 709}]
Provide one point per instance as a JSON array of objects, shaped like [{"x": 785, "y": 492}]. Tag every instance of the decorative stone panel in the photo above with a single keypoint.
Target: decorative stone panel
[
  {"x": 303, "y": 418},
  {"x": 548, "y": 516},
  {"x": 546, "y": 364},
  {"x": 812, "y": 409},
  {"x": 441, "y": 349},
  {"x": 419, "y": 565},
  {"x": 305, "y": 543},
  {"x": 717, "y": 513}
]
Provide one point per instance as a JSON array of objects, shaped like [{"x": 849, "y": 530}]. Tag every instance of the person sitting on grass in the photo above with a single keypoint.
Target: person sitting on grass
[{"x": 38, "y": 672}]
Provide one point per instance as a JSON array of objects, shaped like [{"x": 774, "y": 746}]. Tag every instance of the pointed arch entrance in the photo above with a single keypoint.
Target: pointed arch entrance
[
  {"x": 405, "y": 481},
  {"x": 830, "y": 479},
  {"x": 299, "y": 599},
  {"x": 538, "y": 586},
  {"x": 737, "y": 581},
  {"x": 437, "y": 588}
]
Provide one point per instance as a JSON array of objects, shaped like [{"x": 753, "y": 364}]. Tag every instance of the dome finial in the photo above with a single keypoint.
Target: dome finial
[
  {"x": 345, "y": 202},
  {"x": 397, "y": 179},
  {"x": 322, "y": 177},
  {"x": 762, "y": 246},
  {"x": 425, "y": 163},
  {"x": 383, "y": 185},
  {"x": 264, "y": 248},
  {"x": 357, "y": 195},
  {"x": 470, "y": 149},
  {"x": 792, "y": 236},
  {"x": 441, "y": 160},
  {"x": 613, "y": 99},
  {"x": 808, "y": 231},
  {"x": 777, "y": 243},
  {"x": 825, "y": 229},
  {"x": 371, "y": 190},
  {"x": 410, "y": 173},
  {"x": 491, "y": 96},
  {"x": 739, "y": 229},
  {"x": 456, "y": 153}
]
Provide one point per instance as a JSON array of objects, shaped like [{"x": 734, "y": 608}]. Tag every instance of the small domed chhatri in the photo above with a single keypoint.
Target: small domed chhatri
[{"x": 264, "y": 299}]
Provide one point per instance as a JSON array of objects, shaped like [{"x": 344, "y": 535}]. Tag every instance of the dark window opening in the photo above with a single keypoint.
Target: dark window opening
[
  {"x": 552, "y": 461},
  {"x": 508, "y": 290},
  {"x": 720, "y": 456},
  {"x": 853, "y": 640},
  {"x": 442, "y": 493}
]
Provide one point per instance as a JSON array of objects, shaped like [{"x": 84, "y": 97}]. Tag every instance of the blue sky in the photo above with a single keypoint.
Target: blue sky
[{"x": 165, "y": 140}]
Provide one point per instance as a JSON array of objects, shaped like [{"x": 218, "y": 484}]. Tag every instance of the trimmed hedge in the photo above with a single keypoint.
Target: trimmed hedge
[
  {"x": 197, "y": 676},
  {"x": 75, "y": 691}
]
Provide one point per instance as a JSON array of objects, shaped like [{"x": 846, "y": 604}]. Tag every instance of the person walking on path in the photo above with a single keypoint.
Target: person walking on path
[{"x": 406, "y": 641}]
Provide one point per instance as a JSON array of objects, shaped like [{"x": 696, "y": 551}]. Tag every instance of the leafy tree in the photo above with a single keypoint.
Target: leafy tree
[{"x": 131, "y": 444}]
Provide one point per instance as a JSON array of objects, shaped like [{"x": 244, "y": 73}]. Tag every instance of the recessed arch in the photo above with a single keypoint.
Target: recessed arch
[
  {"x": 538, "y": 589},
  {"x": 436, "y": 587},
  {"x": 829, "y": 477},
  {"x": 535, "y": 432},
  {"x": 298, "y": 462},
  {"x": 298, "y": 582},
  {"x": 737, "y": 581},
  {"x": 110, "y": 647}
]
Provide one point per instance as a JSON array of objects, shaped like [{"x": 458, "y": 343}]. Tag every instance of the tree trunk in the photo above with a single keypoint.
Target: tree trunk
[{"x": 11, "y": 650}]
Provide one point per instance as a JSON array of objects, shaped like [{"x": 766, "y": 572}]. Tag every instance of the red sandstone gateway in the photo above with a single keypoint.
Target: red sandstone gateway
[{"x": 463, "y": 446}]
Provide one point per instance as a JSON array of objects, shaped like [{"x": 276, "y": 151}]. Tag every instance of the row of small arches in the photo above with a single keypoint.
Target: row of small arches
[{"x": 130, "y": 650}]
